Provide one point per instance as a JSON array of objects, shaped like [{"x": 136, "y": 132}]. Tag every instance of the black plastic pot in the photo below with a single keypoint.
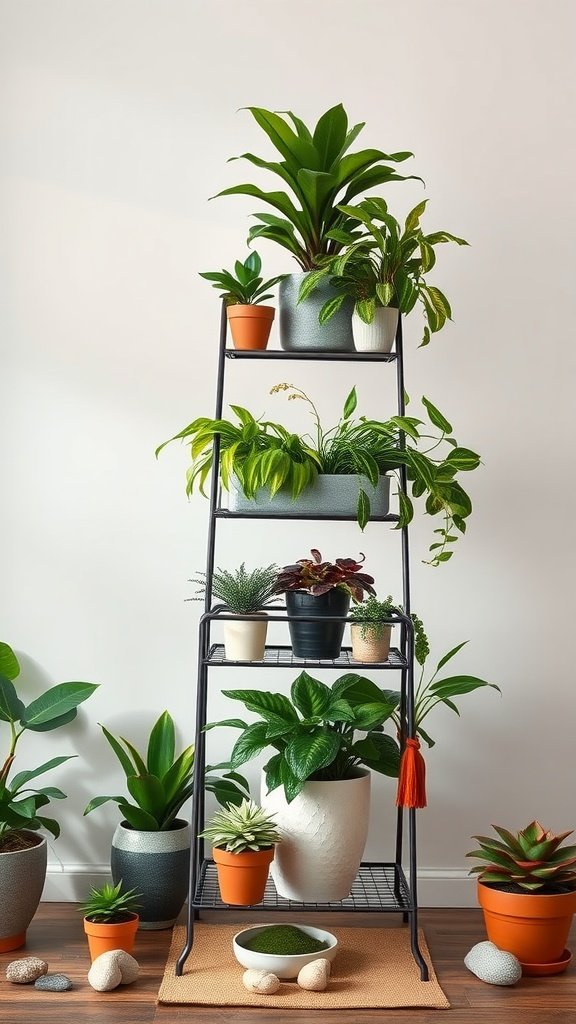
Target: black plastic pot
[{"x": 321, "y": 640}]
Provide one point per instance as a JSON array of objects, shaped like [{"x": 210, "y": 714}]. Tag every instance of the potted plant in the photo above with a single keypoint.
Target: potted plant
[
  {"x": 314, "y": 587},
  {"x": 22, "y": 806},
  {"x": 527, "y": 890},
  {"x": 244, "y": 593},
  {"x": 243, "y": 841},
  {"x": 319, "y": 172},
  {"x": 110, "y": 919},
  {"x": 371, "y": 629},
  {"x": 383, "y": 269},
  {"x": 151, "y": 845},
  {"x": 345, "y": 470},
  {"x": 244, "y": 291},
  {"x": 324, "y": 742}
]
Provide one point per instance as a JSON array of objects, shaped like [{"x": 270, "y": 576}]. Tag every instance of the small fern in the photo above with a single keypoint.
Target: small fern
[{"x": 242, "y": 591}]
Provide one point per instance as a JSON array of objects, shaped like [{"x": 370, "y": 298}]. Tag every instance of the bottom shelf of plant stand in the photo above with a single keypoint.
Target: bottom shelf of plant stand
[
  {"x": 284, "y": 657},
  {"x": 378, "y": 888}
]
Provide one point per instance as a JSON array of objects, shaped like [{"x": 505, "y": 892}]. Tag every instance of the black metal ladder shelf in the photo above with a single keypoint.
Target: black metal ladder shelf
[{"x": 380, "y": 887}]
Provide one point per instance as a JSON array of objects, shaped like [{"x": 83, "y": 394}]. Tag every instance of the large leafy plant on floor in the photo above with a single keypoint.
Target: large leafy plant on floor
[
  {"x": 320, "y": 733},
  {"x": 20, "y": 803},
  {"x": 160, "y": 782},
  {"x": 318, "y": 171}
]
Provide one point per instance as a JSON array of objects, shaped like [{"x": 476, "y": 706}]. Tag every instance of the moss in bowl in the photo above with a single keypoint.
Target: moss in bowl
[{"x": 266, "y": 948}]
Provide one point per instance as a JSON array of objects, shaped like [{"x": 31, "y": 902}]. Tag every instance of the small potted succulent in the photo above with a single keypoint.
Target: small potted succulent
[
  {"x": 110, "y": 919},
  {"x": 371, "y": 630},
  {"x": 314, "y": 587},
  {"x": 527, "y": 890},
  {"x": 244, "y": 291},
  {"x": 243, "y": 841},
  {"x": 244, "y": 592}
]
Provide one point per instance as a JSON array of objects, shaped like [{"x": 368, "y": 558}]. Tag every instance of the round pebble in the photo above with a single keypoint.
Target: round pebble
[
  {"x": 492, "y": 965},
  {"x": 112, "y": 969},
  {"x": 25, "y": 971},
  {"x": 53, "y": 983},
  {"x": 314, "y": 976}
]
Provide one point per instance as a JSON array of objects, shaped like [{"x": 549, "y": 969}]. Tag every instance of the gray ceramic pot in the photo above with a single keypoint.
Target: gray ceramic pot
[
  {"x": 156, "y": 864},
  {"x": 300, "y": 329},
  {"x": 22, "y": 877},
  {"x": 333, "y": 494}
]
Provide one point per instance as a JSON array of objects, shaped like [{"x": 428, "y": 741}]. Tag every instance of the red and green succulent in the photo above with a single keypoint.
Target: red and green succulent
[{"x": 533, "y": 859}]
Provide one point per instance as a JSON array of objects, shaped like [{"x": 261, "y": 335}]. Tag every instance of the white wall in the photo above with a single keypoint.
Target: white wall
[{"x": 117, "y": 118}]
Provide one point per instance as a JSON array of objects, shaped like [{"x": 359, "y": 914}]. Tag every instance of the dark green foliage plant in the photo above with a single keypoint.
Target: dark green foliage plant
[
  {"x": 21, "y": 804},
  {"x": 318, "y": 171},
  {"x": 244, "y": 287}
]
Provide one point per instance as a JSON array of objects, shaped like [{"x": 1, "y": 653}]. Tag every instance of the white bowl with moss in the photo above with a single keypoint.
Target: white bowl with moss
[{"x": 283, "y": 949}]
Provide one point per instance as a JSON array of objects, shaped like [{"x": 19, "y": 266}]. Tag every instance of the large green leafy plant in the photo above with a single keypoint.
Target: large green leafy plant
[
  {"x": 318, "y": 171},
  {"x": 258, "y": 453},
  {"x": 320, "y": 732},
  {"x": 384, "y": 264},
  {"x": 22, "y": 805},
  {"x": 161, "y": 782}
]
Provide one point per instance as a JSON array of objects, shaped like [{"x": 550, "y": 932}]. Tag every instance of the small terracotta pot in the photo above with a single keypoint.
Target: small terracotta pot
[
  {"x": 102, "y": 938},
  {"x": 250, "y": 325},
  {"x": 370, "y": 642},
  {"x": 533, "y": 927},
  {"x": 242, "y": 877}
]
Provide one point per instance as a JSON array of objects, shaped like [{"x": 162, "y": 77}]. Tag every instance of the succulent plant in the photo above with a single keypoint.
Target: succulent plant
[
  {"x": 109, "y": 904},
  {"x": 243, "y": 828},
  {"x": 243, "y": 592},
  {"x": 532, "y": 859}
]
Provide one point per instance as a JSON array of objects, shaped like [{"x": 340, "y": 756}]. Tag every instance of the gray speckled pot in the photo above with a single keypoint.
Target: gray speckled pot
[
  {"x": 300, "y": 329},
  {"x": 156, "y": 864},
  {"x": 332, "y": 494},
  {"x": 22, "y": 876}
]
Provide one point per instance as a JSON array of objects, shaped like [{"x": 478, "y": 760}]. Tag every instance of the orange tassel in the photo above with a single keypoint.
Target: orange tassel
[{"x": 412, "y": 780}]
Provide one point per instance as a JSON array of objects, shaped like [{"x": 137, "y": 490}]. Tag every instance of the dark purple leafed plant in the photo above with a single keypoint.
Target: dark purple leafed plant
[{"x": 317, "y": 577}]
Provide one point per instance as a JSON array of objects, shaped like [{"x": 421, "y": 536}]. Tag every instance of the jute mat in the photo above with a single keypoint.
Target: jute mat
[{"x": 374, "y": 967}]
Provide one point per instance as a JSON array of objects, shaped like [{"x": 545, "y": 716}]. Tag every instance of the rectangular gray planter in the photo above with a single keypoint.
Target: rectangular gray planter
[{"x": 331, "y": 494}]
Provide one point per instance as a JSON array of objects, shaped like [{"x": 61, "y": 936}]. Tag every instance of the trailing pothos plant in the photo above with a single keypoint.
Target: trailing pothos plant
[
  {"x": 430, "y": 691},
  {"x": 319, "y": 171},
  {"x": 22, "y": 805},
  {"x": 319, "y": 733},
  {"x": 384, "y": 264},
  {"x": 261, "y": 454}
]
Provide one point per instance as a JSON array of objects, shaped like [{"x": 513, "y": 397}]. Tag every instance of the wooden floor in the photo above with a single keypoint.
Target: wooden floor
[{"x": 56, "y": 935}]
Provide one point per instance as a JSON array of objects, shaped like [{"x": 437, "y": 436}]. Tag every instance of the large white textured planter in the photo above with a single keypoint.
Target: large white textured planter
[
  {"x": 380, "y": 334},
  {"x": 324, "y": 833},
  {"x": 245, "y": 640}
]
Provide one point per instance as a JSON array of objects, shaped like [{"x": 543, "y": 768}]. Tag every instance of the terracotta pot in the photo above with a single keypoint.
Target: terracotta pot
[
  {"x": 245, "y": 640},
  {"x": 370, "y": 642},
  {"x": 534, "y": 928},
  {"x": 242, "y": 877},
  {"x": 250, "y": 325},
  {"x": 103, "y": 938}
]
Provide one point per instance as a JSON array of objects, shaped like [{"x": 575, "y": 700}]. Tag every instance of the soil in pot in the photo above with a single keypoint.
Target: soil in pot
[
  {"x": 250, "y": 326},
  {"x": 242, "y": 877},
  {"x": 106, "y": 936},
  {"x": 316, "y": 640},
  {"x": 19, "y": 841}
]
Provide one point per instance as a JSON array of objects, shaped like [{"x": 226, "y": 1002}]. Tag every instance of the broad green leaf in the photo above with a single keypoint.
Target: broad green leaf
[
  {"x": 440, "y": 301},
  {"x": 22, "y": 778},
  {"x": 54, "y": 723},
  {"x": 350, "y": 404},
  {"x": 273, "y": 772},
  {"x": 11, "y": 707},
  {"x": 123, "y": 757},
  {"x": 380, "y": 753},
  {"x": 330, "y": 308},
  {"x": 330, "y": 135},
  {"x": 436, "y": 417},
  {"x": 443, "y": 661},
  {"x": 357, "y": 689},
  {"x": 413, "y": 218},
  {"x": 9, "y": 665},
  {"x": 138, "y": 818},
  {"x": 292, "y": 785},
  {"x": 454, "y": 686},
  {"x": 99, "y": 800},
  {"x": 363, "y": 509},
  {"x": 232, "y": 723},
  {"x": 161, "y": 745},
  {"x": 249, "y": 744},
  {"x": 385, "y": 292},
  {"x": 463, "y": 459},
  {"x": 262, "y": 702},
  {"x": 24, "y": 808},
  {"x": 50, "y": 824},
  {"x": 310, "y": 696},
  {"x": 56, "y": 701},
  {"x": 406, "y": 508},
  {"x": 367, "y": 716},
  {"x": 179, "y": 774},
  {"x": 366, "y": 309},
  {"x": 307, "y": 754},
  {"x": 148, "y": 792}
]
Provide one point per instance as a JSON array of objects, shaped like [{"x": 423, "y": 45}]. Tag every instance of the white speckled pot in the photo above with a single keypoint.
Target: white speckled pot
[
  {"x": 324, "y": 833},
  {"x": 380, "y": 334},
  {"x": 22, "y": 876}
]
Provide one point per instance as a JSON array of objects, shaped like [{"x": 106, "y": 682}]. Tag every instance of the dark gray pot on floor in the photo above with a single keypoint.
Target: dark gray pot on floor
[
  {"x": 22, "y": 877},
  {"x": 300, "y": 329},
  {"x": 156, "y": 864},
  {"x": 317, "y": 640}
]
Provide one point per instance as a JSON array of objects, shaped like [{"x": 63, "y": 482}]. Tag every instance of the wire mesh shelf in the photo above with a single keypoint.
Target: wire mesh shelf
[
  {"x": 379, "y": 888},
  {"x": 284, "y": 657}
]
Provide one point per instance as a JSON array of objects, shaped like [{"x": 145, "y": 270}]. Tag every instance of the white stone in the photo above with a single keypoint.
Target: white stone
[
  {"x": 492, "y": 965},
  {"x": 314, "y": 976},
  {"x": 262, "y": 982},
  {"x": 109, "y": 970}
]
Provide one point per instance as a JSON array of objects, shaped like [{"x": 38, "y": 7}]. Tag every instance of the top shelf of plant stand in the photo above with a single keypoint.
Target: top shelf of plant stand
[{"x": 343, "y": 357}]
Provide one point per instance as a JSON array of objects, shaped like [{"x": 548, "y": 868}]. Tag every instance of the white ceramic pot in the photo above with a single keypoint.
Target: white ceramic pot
[
  {"x": 380, "y": 334},
  {"x": 370, "y": 642},
  {"x": 245, "y": 640},
  {"x": 324, "y": 833}
]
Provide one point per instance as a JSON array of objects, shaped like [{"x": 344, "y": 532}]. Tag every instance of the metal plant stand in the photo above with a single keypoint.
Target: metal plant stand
[{"x": 379, "y": 887}]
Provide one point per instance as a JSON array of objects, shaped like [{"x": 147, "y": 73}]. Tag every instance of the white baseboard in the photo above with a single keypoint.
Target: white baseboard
[{"x": 437, "y": 887}]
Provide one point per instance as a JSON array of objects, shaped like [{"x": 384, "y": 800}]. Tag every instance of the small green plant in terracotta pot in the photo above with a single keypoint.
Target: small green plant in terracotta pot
[
  {"x": 244, "y": 291},
  {"x": 371, "y": 630},
  {"x": 110, "y": 919},
  {"x": 243, "y": 841}
]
